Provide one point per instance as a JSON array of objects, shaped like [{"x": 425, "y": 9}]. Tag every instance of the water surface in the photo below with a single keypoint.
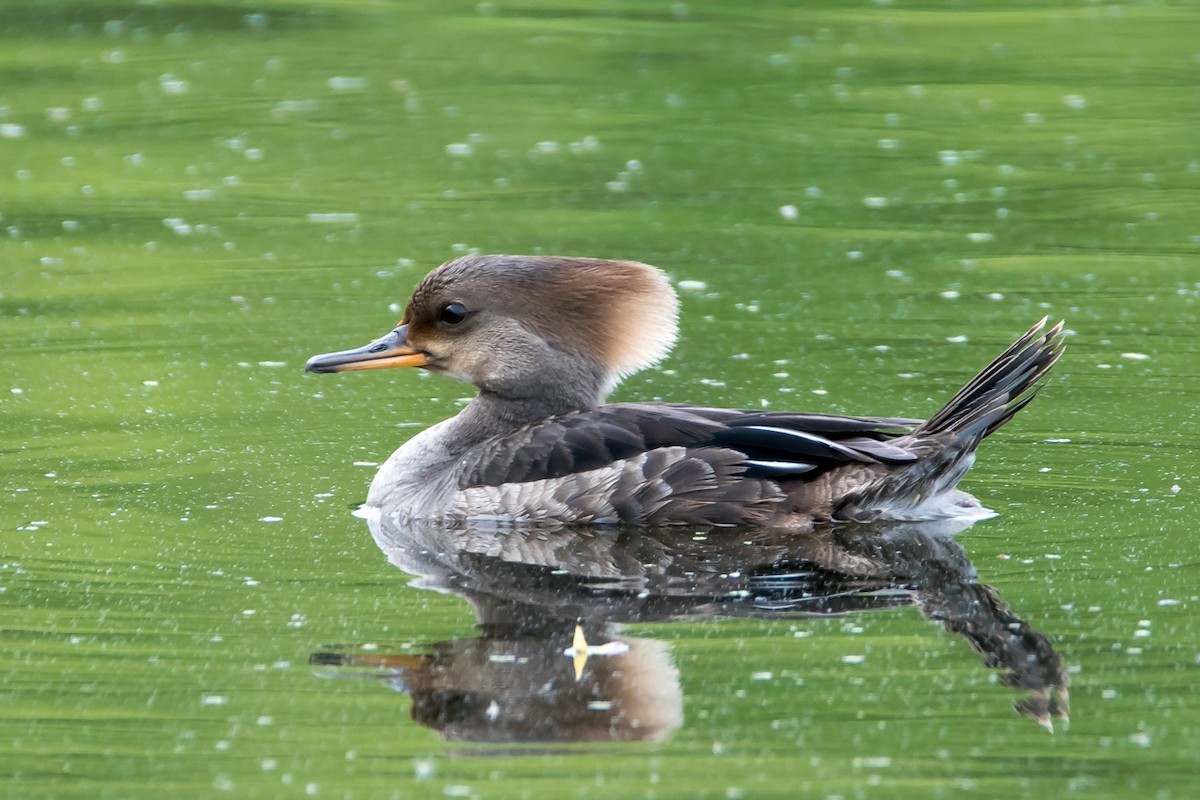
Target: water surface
[{"x": 860, "y": 206}]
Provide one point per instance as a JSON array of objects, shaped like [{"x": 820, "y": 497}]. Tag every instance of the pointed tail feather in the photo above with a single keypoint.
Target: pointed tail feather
[
  {"x": 1003, "y": 388},
  {"x": 945, "y": 443}
]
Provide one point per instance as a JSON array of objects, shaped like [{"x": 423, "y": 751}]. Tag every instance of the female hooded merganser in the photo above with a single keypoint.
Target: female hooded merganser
[{"x": 546, "y": 338}]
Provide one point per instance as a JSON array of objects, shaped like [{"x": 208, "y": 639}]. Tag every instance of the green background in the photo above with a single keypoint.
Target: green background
[{"x": 195, "y": 197}]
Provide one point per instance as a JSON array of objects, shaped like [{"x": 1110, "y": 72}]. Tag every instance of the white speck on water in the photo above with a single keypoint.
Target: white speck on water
[
  {"x": 956, "y": 339},
  {"x": 547, "y": 148},
  {"x": 213, "y": 700},
  {"x": 10, "y": 130},
  {"x": 873, "y": 762},
  {"x": 395, "y": 308},
  {"x": 270, "y": 519},
  {"x": 457, "y": 790},
  {"x": 1075, "y": 101},
  {"x": 949, "y": 158},
  {"x": 994, "y": 296},
  {"x": 813, "y": 191},
  {"x": 1044, "y": 469},
  {"x": 854, "y": 255},
  {"x": 820, "y": 391},
  {"x": 253, "y": 154},
  {"x": 58, "y": 114},
  {"x": 459, "y": 149},
  {"x": 599, "y": 705},
  {"x": 882, "y": 348},
  {"x": 616, "y": 186},
  {"x": 149, "y": 383},
  {"x": 343, "y": 83},
  {"x": 272, "y": 363},
  {"x": 789, "y": 212},
  {"x": 1108, "y": 694},
  {"x": 91, "y": 104},
  {"x": 888, "y": 144},
  {"x": 70, "y": 225},
  {"x": 1167, "y": 601},
  {"x": 692, "y": 286},
  {"x": 633, "y": 165},
  {"x": 332, "y": 217},
  {"x": 761, "y": 676},
  {"x": 981, "y": 236},
  {"x": 1135, "y": 356},
  {"x": 591, "y": 144},
  {"x": 1141, "y": 633},
  {"x": 949, "y": 294},
  {"x": 311, "y": 789},
  {"x": 854, "y": 659},
  {"x": 286, "y": 107},
  {"x": 198, "y": 194},
  {"x": 169, "y": 84},
  {"x": 366, "y": 464},
  {"x": 875, "y": 202},
  {"x": 1140, "y": 739}
]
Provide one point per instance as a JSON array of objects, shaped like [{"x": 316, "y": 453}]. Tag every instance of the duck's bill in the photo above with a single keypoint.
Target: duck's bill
[{"x": 392, "y": 350}]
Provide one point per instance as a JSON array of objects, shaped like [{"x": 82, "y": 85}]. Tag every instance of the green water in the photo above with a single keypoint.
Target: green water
[{"x": 195, "y": 197}]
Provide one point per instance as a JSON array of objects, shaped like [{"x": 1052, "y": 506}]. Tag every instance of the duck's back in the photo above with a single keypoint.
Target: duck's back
[{"x": 650, "y": 464}]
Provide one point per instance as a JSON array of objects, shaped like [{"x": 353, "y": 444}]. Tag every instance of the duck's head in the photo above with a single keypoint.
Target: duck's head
[{"x": 528, "y": 326}]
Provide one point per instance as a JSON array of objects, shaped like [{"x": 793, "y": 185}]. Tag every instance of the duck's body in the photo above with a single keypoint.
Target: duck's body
[{"x": 545, "y": 339}]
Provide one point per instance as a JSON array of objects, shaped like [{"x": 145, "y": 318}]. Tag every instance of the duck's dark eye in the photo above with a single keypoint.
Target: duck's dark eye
[{"x": 453, "y": 313}]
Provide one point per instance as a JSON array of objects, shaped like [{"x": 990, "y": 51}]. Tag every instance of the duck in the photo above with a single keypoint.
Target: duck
[{"x": 545, "y": 340}]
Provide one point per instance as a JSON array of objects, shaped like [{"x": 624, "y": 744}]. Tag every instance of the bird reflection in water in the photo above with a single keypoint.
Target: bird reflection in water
[{"x": 551, "y": 663}]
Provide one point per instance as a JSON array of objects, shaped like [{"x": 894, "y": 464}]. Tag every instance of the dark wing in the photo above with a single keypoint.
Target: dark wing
[{"x": 756, "y": 444}]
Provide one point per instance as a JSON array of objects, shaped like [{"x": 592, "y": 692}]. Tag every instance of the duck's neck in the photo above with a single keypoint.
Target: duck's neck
[
  {"x": 414, "y": 469},
  {"x": 491, "y": 414}
]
